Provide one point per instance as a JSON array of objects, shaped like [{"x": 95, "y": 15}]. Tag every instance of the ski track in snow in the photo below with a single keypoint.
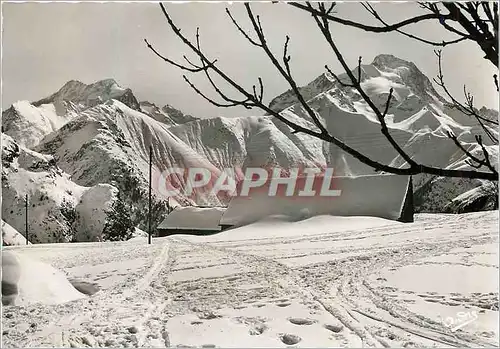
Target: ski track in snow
[{"x": 321, "y": 289}]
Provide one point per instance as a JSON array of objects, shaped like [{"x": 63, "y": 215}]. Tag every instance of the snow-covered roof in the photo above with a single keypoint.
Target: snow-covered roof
[
  {"x": 193, "y": 218},
  {"x": 371, "y": 195}
]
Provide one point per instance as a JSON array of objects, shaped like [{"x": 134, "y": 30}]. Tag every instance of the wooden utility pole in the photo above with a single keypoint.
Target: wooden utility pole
[
  {"x": 150, "y": 180},
  {"x": 26, "y": 216}
]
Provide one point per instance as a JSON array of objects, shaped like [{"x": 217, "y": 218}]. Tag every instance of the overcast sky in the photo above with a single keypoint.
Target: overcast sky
[{"x": 47, "y": 44}]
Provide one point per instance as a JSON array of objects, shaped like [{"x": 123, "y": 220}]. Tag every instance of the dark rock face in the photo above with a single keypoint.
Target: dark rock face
[
  {"x": 129, "y": 100},
  {"x": 9, "y": 153}
]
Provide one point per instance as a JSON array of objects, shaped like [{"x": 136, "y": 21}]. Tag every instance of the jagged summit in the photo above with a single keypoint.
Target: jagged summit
[
  {"x": 90, "y": 95},
  {"x": 390, "y": 60},
  {"x": 72, "y": 84},
  {"x": 384, "y": 72},
  {"x": 409, "y": 74},
  {"x": 166, "y": 114}
]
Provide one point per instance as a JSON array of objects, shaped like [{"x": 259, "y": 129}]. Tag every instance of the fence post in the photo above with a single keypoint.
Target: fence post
[
  {"x": 26, "y": 216},
  {"x": 150, "y": 179}
]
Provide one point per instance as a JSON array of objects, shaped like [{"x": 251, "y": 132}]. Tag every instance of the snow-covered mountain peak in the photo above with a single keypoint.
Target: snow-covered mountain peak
[
  {"x": 390, "y": 61},
  {"x": 407, "y": 73},
  {"x": 90, "y": 95},
  {"x": 377, "y": 78},
  {"x": 71, "y": 85}
]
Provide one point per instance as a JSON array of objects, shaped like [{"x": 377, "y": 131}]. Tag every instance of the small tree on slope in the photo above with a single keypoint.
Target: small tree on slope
[{"x": 119, "y": 225}]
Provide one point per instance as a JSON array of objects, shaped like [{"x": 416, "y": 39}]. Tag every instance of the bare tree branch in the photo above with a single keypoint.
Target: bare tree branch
[
  {"x": 486, "y": 155},
  {"x": 375, "y": 14},
  {"x": 359, "y": 69},
  {"x": 467, "y": 108},
  {"x": 330, "y": 9},
  {"x": 193, "y": 70},
  {"x": 254, "y": 99},
  {"x": 260, "y": 95},
  {"x": 388, "y": 103},
  {"x": 253, "y": 42},
  {"x": 325, "y": 29},
  {"x": 232, "y": 102},
  {"x": 220, "y": 105},
  {"x": 285, "y": 73},
  {"x": 486, "y": 41},
  {"x": 384, "y": 29},
  {"x": 337, "y": 78},
  {"x": 474, "y": 28},
  {"x": 479, "y": 162}
]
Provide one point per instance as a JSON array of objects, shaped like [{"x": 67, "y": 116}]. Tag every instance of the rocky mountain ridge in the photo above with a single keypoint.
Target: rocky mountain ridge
[{"x": 98, "y": 136}]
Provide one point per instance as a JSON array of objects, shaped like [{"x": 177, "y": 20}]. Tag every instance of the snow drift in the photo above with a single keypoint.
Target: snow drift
[{"x": 27, "y": 281}]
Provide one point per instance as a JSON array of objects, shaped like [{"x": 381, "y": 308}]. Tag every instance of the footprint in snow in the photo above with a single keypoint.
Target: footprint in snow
[
  {"x": 301, "y": 321},
  {"x": 282, "y": 305},
  {"x": 84, "y": 286},
  {"x": 434, "y": 295},
  {"x": 334, "y": 328},
  {"x": 289, "y": 339},
  {"x": 257, "y": 330},
  {"x": 208, "y": 315},
  {"x": 431, "y": 300}
]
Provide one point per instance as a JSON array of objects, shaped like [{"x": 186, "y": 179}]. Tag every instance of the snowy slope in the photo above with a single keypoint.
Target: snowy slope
[
  {"x": 11, "y": 237},
  {"x": 249, "y": 141},
  {"x": 195, "y": 218},
  {"x": 109, "y": 143},
  {"x": 59, "y": 209},
  {"x": 29, "y": 124}
]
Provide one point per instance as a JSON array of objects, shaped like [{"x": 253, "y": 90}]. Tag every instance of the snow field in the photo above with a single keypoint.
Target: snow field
[{"x": 326, "y": 281}]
